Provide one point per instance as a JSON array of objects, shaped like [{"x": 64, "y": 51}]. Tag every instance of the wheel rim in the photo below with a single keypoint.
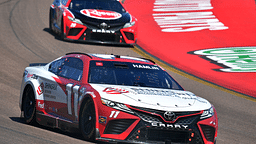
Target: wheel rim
[
  {"x": 29, "y": 105},
  {"x": 89, "y": 119}
]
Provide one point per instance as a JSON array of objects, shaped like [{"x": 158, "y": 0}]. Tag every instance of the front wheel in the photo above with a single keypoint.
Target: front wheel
[
  {"x": 29, "y": 106},
  {"x": 62, "y": 36},
  {"x": 88, "y": 120}
]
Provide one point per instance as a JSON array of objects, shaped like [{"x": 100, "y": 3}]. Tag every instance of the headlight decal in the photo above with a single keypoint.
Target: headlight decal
[
  {"x": 207, "y": 113},
  {"x": 75, "y": 20},
  {"x": 116, "y": 105},
  {"x": 130, "y": 24}
]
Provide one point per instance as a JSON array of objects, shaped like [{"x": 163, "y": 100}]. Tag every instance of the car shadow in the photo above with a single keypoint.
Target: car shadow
[
  {"x": 75, "y": 135},
  {"x": 57, "y": 37}
]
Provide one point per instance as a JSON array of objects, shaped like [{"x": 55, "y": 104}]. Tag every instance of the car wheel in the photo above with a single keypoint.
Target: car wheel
[
  {"x": 29, "y": 106},
  {"x": 88, "y": 120},
  {"x": 62, "y": 30},
  {"x": 50, "y": 20}
]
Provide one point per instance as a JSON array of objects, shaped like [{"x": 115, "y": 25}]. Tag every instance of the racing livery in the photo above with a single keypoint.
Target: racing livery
[
  {"x": 114, "y": 98},
  {"x": 100, "y": 21}
]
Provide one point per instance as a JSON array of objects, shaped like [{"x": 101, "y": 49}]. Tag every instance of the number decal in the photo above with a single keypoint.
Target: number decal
[
  {"x": 69, "y": 97},
  {"x": 114, "y": 114}
]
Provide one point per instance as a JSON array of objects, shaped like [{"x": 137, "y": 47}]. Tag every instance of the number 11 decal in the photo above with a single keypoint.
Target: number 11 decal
[
  {"x": 69, "y": 97},
  {"x": 114, "y": 114}
]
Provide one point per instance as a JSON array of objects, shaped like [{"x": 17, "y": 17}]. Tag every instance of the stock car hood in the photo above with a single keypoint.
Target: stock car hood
[
  {"x": 154, "y": 98},
  {"x": 100, "y": 16}
]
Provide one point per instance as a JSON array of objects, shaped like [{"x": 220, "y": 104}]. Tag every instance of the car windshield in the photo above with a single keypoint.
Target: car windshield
[
  {"x": 130, "y": 74},
  {"x": 110, "y": 5}
]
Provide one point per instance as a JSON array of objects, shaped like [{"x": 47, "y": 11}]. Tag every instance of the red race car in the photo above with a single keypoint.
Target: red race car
[
  {"x": 100, "y": 21},
  {"x": 114, "y": 98}
]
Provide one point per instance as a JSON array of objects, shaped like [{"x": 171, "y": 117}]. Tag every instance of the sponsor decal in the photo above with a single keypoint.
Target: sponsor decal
[
  {"x": 40, "y": 89},
  {"x": 49, "y": 96},
  {"x": 99, "y": 64},
  {"x": 102, "y": 119},
  {"x": 235, "y": 59},
  {"x": 184, "y": 95},
  {"x": 185, "y": 16},
  {"x": 110, "y": 90},
  {"x": 114, "y": 114},
  {"x": 40, "y": 105},
  {"x": 176, "y": 94},
  {"x": 145, "y": 66},
  {"x": 50, "y": 86},
  {"x": 101, "y": 14},
  {"x": 73, "y": 25},
  {"x": 177, "y": 126},
  {"x": 29, "y": 75},
  {"x": 103, "y": 31},
  {"x": 169, "y": 115}
]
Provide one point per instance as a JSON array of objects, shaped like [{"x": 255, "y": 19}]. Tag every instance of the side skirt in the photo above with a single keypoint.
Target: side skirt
[{"x": 56, "y": 122}]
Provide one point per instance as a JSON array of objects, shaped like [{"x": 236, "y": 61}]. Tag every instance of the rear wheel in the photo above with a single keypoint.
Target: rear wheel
[
  {"x": 88, "y": 120},
  {"x": 29, "y": 106},
  {"x": 50, "y": 20}
]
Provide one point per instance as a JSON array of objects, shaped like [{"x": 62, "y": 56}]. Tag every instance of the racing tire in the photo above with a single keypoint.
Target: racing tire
[
  {"x": 29, "y": 106},
  {"x": 50, "y": 20},
  {"x": 87, "y": 122},
  {"x": 62, "y": 30}
]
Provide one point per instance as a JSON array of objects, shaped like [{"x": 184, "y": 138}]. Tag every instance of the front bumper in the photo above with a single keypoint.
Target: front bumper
[
  {"x": 82, "y": 33},
  {"x": 152, "y": 128}
]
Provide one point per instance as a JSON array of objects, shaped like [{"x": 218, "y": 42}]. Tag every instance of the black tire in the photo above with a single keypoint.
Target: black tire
[
  {"x": 62, "y": 30},
  {"x": 50, "y": 20},
  {"x": 29, "y": 106},
  {"x": 88, "y": 120}
]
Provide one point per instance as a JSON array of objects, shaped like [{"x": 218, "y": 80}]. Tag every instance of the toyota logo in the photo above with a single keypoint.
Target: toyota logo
[
  {"x": 169, "y": 115},
  {"x": 103, "y": 26}
]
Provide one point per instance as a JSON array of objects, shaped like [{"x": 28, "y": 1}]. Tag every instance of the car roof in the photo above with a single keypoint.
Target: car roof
[{"x": 106, "y": 57}]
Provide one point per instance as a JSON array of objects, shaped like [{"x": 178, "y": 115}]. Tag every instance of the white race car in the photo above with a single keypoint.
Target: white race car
[{"x": 114, "y": 98}]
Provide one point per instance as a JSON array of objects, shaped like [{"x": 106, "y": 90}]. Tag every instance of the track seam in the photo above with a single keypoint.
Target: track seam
[
  {"x": 5, "y": 2},
  {"x": 10, "y": 21}
]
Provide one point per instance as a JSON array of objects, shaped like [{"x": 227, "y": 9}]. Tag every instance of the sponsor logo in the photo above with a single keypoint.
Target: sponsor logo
[
  {"x": 183, "y": 95},
  {"x": 103, "y": 31},
  {"x": 50, "y": 86},
  {"x": 100, "y": 14},
  {"x": 156, "y": 124},
  {"x": 110, "y": 90},
  {"x": 176, "y": 94},
  {"x": 235, "y": 59},
  {"x": 169, "y": 115},
  {"x": 145, "y": 67},
  {"x": 40, "y": 105},
  {"x": 102, "y": 119},
  {"x": 49, "y": 96},
  {"x": 185, "y": 16},
  {"x": 40, "y": 89},
  {"x": 103, "y": 26},
  {"x": 73, "y": 25},
  {"x": 29, "y": 75}
]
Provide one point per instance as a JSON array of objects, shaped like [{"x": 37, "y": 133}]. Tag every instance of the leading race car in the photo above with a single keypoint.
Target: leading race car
[
  {"x": 100, "y": 21},
  {"x": 114, "y": 98}
]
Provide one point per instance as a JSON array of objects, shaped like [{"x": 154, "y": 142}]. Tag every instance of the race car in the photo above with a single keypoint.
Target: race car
[
  {"x": 113, "y": 98},
  {"x": 97, "y": 21}
]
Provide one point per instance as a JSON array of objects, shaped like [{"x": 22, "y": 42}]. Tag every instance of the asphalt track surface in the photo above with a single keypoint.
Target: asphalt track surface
[{"x": 25, "y": 38}]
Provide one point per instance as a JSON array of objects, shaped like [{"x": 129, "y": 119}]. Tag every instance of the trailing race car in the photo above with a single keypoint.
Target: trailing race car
[
  {"x": 100, "y": 21},
  {"x": 114, "y": 98}
]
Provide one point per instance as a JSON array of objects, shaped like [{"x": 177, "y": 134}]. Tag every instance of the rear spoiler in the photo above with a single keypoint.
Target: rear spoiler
[{"x": 38, "y": 64}]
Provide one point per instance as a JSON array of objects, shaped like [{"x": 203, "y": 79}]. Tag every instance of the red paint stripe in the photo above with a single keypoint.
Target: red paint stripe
[{"x": 173, "y": 47}]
